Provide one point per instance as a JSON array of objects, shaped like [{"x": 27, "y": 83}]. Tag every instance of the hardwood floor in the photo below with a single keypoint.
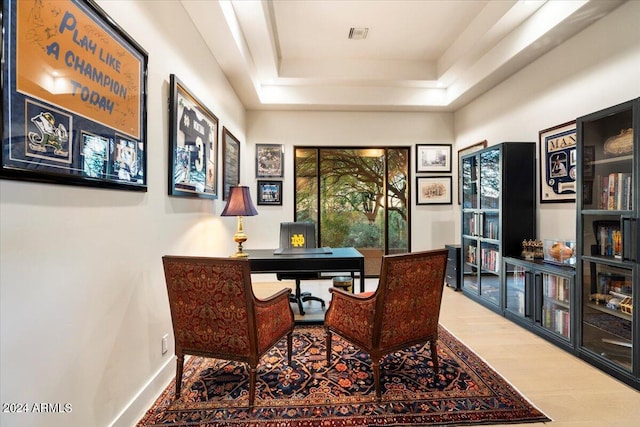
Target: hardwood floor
[{"x": 569, "y": 391}]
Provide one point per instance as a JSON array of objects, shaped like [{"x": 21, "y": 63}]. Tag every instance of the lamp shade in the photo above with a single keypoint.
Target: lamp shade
[{"x": 239, "y": 203}]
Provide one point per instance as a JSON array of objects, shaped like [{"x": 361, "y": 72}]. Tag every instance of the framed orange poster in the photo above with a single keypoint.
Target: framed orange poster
[{"x": 74, "y": 96}]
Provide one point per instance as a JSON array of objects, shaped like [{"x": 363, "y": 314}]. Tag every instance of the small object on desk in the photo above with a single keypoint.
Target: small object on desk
[
  {"x": 343, "y": 282},
  {"x": 291, "y": 251}
]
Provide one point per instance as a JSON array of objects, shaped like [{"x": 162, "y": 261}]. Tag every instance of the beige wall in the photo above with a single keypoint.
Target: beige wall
[
  {"x": 433, "y": 226},
  {"x": 595, "y": 69}
]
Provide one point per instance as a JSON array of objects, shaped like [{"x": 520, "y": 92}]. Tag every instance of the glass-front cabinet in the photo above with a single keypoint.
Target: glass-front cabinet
[
  {"x": 539, "y": 296},
  {"x": 609, "y": 240},
  {"x": 497, "y": 185}
]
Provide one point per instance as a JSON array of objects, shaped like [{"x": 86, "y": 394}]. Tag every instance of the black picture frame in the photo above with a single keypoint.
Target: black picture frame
[
  {"x": 558, "y": 163},
  {"x": 230, "y": 162},
  {"x": 434, "y": 190},
  {"x": 69, "y": 126},
  {"x": 269, "y": 192},
  {"x": 269, "y": 161},
  {"x": 433, "y": 158},
  {"x": 193, "y": 145}
]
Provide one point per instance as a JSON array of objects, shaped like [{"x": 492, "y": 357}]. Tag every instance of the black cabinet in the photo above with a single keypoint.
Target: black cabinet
[
  {"x": 539, "y": 296},
  {"x": 498, "y": 212},
  {"x": 608, "y": 240},
  {"x": 453, "y": 275}
]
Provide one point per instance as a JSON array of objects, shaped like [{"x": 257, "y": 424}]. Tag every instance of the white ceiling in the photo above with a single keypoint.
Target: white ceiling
[{"x": 419, "y": 55}]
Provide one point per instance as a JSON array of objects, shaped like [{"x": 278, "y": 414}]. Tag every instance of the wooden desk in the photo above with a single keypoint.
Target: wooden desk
[{"x": 339, "y": 260}]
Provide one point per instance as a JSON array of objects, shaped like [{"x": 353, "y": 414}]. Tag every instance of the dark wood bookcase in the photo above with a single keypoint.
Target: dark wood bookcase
[
  {"x": 498, "y": 212},
  {"x": 608, "y": 240}
]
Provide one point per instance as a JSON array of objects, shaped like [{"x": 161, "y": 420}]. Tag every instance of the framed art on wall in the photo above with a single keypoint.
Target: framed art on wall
[
  {"x": 269, "y": 161},
  {"x": 230, "y": 162},
  {"x": 463, "y": 152},
  {"x": 558, "y": 163},
  {"x": 433, "y": 190},
  {"x": 269, "y": 192},
  {"x": 433, "y": 158},
  {"x": 69, "y": 124},
  {"x": 193, "y": 145}
]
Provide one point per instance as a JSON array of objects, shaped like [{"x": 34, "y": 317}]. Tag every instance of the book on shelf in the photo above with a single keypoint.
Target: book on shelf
[
  {"x": 610, "y": 241},
  {"x": 490, "y": 259},
  {"x": 555, "y": 287},
  {"x": 616, "y": 191},
  {"x": 557, "y": 320}
]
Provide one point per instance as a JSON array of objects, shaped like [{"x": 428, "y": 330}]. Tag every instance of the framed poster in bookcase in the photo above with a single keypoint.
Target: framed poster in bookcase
[{"x": 73, "y": 97}]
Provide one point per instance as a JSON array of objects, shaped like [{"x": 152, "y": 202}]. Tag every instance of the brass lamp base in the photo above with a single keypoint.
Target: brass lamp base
[
  {"x": 240, "y": 254},
  {"x": 240, "y": 237}
]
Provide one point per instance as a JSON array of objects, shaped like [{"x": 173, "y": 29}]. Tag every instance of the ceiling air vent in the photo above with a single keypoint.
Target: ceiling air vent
[{"x": 358, "y": 33}]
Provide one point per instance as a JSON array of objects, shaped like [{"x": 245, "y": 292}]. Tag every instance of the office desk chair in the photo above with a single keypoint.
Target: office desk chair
[{"x": 296, "y": 236}]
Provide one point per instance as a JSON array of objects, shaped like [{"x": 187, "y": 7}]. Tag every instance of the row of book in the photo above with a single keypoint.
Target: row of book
[
  {"x": 490, "y": 259},
  {"x": 609, "y": 241},
  {"x": 616, "y": 192},
  {"x": 491, "y": 228},
  {"x": 555, "y": 287},
  {"x": 556, "y": 319}
]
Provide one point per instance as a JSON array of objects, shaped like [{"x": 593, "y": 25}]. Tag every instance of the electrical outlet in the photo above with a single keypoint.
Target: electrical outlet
[{"x": 165, "y": 344}]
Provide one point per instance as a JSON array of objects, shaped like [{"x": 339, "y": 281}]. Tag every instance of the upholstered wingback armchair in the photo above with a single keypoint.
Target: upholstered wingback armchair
[
  {"x": 402, "y": 312},
  {"x": 215, "y": 313}
]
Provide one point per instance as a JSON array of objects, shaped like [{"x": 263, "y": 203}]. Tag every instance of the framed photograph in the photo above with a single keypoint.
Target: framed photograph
[
  {"x": 433, "y": 190},
  {"x": 269, "y": 192},
  {"x": 230, "y": 162},
  {"x": 193, "y": 145},
  {"x": 433, "y": 158},
  {"x": 463, "y": 152},
  {"x": 269, "y": 161},
  {"x": 558, "y": 163},
  {"x": 72, "y": 125}
]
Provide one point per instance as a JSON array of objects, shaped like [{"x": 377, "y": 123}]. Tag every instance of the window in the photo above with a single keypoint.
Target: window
[{"x": 357, "y": 197}]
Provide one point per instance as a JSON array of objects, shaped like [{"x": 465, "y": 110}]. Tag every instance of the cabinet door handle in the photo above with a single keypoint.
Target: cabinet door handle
[
  {"x": 537, "y": 298},
  {"x": 481, "y": 224},
  {"x": 475, "y": 224},
  {"x": 630, "y": 244},
  {"x": 527, "y": 294}
]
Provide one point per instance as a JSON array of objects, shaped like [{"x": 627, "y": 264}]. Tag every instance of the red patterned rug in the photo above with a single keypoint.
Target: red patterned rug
[{"x": 309, "y": 394}]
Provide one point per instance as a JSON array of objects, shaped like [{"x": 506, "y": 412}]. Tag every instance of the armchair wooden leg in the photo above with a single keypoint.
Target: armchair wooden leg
[
  {"x": 252, "y": 385},
  {"x": 376, "y": 379},
  {"x": 179, "y": 368},
  {"x": 434, "y": 356},
  {"x": 289, "y": 346},
  {"x": 328, "y": 347}
]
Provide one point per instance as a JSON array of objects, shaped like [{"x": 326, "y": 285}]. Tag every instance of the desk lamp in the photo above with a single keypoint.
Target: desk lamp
[{"x": 239, "y": 204}]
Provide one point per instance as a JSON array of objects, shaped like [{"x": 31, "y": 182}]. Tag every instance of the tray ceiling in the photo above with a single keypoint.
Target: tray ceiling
[{"x": 418, "y": 55}]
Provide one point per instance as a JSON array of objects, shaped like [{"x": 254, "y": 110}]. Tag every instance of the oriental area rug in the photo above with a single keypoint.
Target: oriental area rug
[{"x": 308, "y": 393}]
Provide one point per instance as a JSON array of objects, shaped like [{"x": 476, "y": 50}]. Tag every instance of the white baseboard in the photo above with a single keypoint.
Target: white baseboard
[{"x": 136, "y": 409}]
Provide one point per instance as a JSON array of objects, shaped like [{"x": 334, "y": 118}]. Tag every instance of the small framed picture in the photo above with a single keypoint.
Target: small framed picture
[
  {"x": 558, "y": 163},
  {"x": 230, "y": 162},
  {"x": 433, "y": 158},
  {"x": 269, "y": 161},
  {"x": 433, "y": 190},
  {"x": 269, "y": 192}
]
